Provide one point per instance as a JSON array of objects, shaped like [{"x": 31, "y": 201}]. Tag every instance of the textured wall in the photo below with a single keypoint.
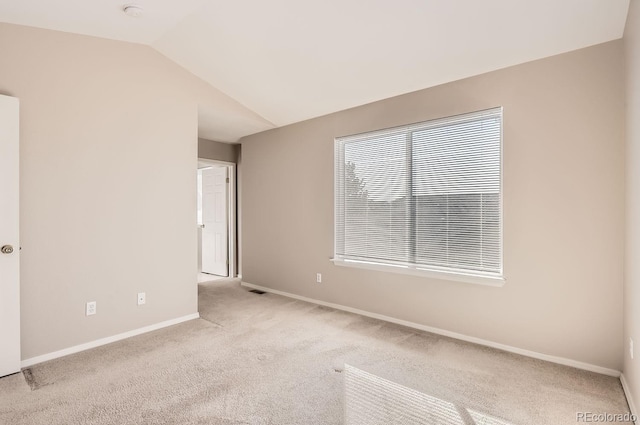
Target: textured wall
[
  {"x": 563, "y": 209},
  {"x": 108, "y": 199},
  {"x": 632, "y": 265},
  {"x": 210, "y": 149}
]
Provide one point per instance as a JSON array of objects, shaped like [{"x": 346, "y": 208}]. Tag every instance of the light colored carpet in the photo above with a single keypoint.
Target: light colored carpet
[
  {"x": 206, "y": 277},
  {"x": 266, "y": 359}
]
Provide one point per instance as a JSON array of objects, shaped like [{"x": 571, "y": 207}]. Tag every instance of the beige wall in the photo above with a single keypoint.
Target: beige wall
[
  {"x": 631, "y": 368},
  {"x": 210, "y": 149},
  {"x": 108, "y": 207},
  {"x": 563, "y": 210}
]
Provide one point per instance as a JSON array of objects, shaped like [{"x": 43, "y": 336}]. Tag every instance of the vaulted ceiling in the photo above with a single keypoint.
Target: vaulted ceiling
[{"x": 291, "y": 60}]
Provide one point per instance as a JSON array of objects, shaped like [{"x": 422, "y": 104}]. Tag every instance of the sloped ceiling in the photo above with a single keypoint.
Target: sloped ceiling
[{"x": 291, "y": 60}]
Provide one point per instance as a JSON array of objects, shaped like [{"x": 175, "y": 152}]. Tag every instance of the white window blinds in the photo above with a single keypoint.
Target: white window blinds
[{"x": 425, "y": 196}]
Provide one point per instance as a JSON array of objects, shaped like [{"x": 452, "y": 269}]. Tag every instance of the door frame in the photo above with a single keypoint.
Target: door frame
[{"x": 231, "y": 210}]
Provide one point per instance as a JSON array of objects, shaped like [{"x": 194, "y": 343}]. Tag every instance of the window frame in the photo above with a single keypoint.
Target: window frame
[{"x": 414, "y": 269}]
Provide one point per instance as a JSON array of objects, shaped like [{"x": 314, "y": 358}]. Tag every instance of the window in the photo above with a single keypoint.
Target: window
[{"x": 423, "y": 197}]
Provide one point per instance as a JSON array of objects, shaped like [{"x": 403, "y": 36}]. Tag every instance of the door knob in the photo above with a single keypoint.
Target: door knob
[{"x": 7, "y": 249}]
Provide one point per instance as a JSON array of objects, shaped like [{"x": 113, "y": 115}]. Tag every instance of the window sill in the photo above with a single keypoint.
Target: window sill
[{"x": 435, "y": 274}]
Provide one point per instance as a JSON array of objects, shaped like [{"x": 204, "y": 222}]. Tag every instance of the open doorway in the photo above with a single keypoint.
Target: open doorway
[{"x": 216, "y": 219}]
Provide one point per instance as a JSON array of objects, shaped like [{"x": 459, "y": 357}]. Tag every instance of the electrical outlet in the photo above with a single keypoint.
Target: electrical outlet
[
  {"x": 91, "y": 308},
  {"x": 142, "y": 298},
  {"x": 631, "y": 348},
  {"x": 319, "y": 277}
]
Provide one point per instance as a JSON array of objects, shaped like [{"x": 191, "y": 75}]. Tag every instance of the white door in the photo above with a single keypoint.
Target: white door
[
  {"x": 214, "y": 218},
  {"x": 9, "y": 237}
]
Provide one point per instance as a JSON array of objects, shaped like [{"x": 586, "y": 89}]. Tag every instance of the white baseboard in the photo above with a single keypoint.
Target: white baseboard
[
  {"x": 103, "y": 341},
  {"x": 627, "y": 393},
  {"x": 528, "y": 353}
]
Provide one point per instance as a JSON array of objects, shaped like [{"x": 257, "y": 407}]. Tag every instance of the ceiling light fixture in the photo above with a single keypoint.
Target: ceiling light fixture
[{"x": 133, "y": 10}]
